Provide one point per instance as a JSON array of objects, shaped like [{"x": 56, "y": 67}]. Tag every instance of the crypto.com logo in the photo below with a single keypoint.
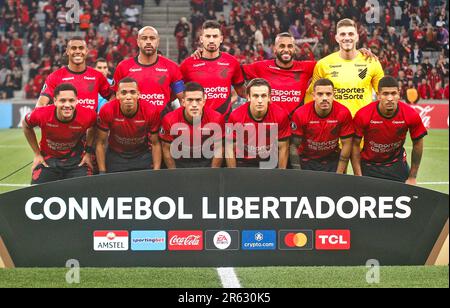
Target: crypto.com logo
[
  {"x": 373, "y": 12},
  {"x": 73, "y": 15},
  {"x": 254, "y": 141}
]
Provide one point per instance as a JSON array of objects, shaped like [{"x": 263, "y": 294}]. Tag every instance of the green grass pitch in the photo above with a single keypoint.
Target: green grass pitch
[{"x": 433, "y": 174}]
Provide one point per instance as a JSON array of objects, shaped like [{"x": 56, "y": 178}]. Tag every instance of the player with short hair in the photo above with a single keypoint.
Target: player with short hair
[
  {"x": 355, "y": 77},
  {"x": 89, "y": 82},
  {"x": 384, "y": 124},
  {"x": 216, "y": 71},
  {"x": 158, "y": 77},
  {"x": 101, "y": 65},
  {"x": 60, "y": 153},
  {"x": 181, "y": 148},
  {"x": 249, "y": 141},
  {"x": 126, "y": 124},
  {"x": 318, "y": 127}
]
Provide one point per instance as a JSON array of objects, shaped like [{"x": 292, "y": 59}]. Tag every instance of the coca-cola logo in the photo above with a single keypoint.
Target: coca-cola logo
[
  {"x": 185, "y": 240},
  {"x": 423, "y": 112}
]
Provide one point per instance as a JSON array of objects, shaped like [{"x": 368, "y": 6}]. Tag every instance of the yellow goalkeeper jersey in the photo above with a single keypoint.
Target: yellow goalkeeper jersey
[{"x": 354, "y": 80}]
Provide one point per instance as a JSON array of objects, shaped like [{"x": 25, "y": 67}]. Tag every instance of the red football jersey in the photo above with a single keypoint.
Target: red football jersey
[
  {"x": 89, "y": 85},
  {"x": 320, "y": 136},
  {"x": 61, "y": 139},
  {"x": 155, "y": 81},
  {"x": 216, "y": 76},
  {"x": 384, "y": 137},
  {"x": 254, "y": 141},
  {"x": 211, "y": 126},
  {"x": 288, "y": 85},
  {"x": 128, "y": 136}
]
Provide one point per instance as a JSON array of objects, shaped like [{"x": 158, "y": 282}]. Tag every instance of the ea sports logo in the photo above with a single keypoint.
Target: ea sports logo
[{"x": 222, "y": 240}]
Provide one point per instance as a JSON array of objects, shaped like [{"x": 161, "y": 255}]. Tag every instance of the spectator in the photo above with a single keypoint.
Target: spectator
[
  {"x": 131, "y": 14},
  {"x": 416, "y": 54},
  {"x": 438, "y": 92},
  {"x": 424, "y": 90}
]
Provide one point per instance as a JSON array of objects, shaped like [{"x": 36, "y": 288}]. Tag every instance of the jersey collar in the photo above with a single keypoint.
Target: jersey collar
[
  {"x": 383, "y": 116},
  {"x": 284, "y": 68},
  {"x": 213, "y": 59},
  {"x": 145, "y": 65},
  {"x": 189, "y": 122},
  {"x": 132, "y": 116},
  {"x": 76, "y": 73},
  {"x": 251, "y": 116}
]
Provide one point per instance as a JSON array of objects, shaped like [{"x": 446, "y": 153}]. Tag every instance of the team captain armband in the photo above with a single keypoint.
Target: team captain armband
[{"x": 177, "y": 86}]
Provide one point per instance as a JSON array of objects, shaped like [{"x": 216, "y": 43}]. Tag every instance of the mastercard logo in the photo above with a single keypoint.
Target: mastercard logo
[{"x": 295, "y": 240}]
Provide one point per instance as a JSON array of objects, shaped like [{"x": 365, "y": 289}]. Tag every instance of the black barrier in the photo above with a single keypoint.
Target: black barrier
[{"x": 221, "y": 217}]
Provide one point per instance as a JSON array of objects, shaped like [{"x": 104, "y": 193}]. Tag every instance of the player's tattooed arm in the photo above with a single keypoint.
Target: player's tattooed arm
[
  {"x": 43, "y": 100},
  {"x": 345, "y": 154},
  {"x": 356, "y": 156},
  {"x": 168, "y": 159},
  {"x": 416, "y": 157},
  {"x": 293, "y": 152},
  {"x": 368, "y": 54},
  {"x": 197, "y": 53}
]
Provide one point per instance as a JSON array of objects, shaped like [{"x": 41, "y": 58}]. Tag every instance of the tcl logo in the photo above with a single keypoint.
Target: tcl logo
[
  {"x": 332, "y": 239},
  {"x": 185, "y": 240}
]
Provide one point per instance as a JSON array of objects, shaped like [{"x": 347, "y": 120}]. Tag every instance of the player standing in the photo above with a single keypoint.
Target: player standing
[
  {"x": 383, "y": 125},
  {"x": 125, "y": 124},
  {"x": 216, "y": 71},
  {"x": 318, "y": 127},
  {"x": 60, "y": 153},
  {"x": 88, "y": 82},
  {"x": 101, "y": 65},
  {"x": 355, "y": 77},
  {"x": 158, "y": 77}
]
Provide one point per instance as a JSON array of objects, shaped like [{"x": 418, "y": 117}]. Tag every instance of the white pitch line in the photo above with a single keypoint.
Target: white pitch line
[
  {"x": 14, "y": 185},
  {"x": 433, "y": 183},
  {"x": 228, "y": 277}
]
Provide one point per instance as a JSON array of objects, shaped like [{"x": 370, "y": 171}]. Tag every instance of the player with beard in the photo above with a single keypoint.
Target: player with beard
[
  {"x": 126, "y": 124},
  {"x": 158, "y": 77},
  {"x": 88, "y": 82},
  {"x": 216, "y": 71},
  {"x": 318, "y": 127},
  {"x": 60, "y": 153},
  {"x": 384, "y": 125},
  {"x": 354, "y": 76}
]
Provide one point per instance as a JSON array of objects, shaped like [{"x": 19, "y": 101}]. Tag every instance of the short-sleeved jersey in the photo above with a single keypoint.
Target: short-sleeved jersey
[
  {"x": 253, "y": 138},
  {"x": 175, "y": 125},
  {"x": 320, "y": 135},
  {"x": 384, "y": 137},
  {"x": 354, "y": 80},
  {"x": 288, "y": 85},
  {"x": 61, "y": 139},
  {"x": 216, "y": 76},
  {"x": 89, "y": 84},
  {"x": 128, "y": 136},
  {"x": 155, "y": 80}
]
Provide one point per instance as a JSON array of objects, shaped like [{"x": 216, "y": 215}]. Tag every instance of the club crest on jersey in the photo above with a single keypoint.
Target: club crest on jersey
[
  {"x": 91, "y": 86},
  {"x": 362, "y": 73},
  {"x": 162, "y": 131},
  {"x": 224, "y": 73},
  {"x": 162, "y": 80}
]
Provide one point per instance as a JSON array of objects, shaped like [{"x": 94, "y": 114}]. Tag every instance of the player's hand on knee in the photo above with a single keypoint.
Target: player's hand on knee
[
  {"x": 87, "y": 160},
  {"x": 411, "y": 181},
  {"x": 38, "y": 160}
]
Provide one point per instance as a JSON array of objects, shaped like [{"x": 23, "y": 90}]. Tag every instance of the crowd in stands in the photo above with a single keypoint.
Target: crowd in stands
[
  {"x": 403, "y": 38},
  {"x": 405, "y": 32},
  {"x": 38, "y": 30}
]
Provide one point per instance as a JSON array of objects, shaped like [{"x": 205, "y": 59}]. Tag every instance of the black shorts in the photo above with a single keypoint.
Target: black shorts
[
  {"x": 397, "y": 171},
  {"x": 328, "y": 164},
  {"x": 59, "y": 169},
  {"x": 193, "y": 163},
  {"x": 118, "y": 163}
]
